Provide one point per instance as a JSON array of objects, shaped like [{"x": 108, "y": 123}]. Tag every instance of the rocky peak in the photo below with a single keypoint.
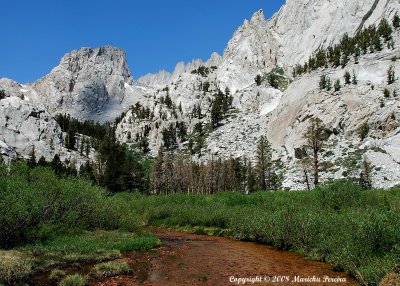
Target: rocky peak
[
  {"x": 258, "y": 17},
  {"x": 214, "y": 60},
  {"x": 87, "y": 83},
  {"x": 158, "y": 80},
  {"x": 85, "y": 59}
]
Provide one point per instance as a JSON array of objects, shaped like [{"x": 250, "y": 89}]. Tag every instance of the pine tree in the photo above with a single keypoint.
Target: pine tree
[
  {"x": 396, "y": 21},
  {"x": 56, "y": 165},
  {"x": 258, "y": 79},
  {"x": 337, "y": 85},
  {"x": 391, "y": 76},
  {"x": 321, "y": 58},
  {"x": 42, "y": 162},
  {"x": 2, "y": 94},
  {"x": 86, "y": 171},
  {"x": 328, "y": 84},
  {"x": 347, "y": 77},
  {"x": 168, "y": 100},
  {"x": 322, "y": 82},
  {"x": 377, "y": 44},
  {"x": 250, "y": 178},
  {"x": 70, "y": 139},
  {"x": 354, "y": 79},
  {"x": 385, "y": 30},
  {"x": 363, "y": 131},
  {"x": 264, "y": 163},
  {"x": 32, "y": 158},
  {"x": 386, "y": 93},
  {"x": 216, "y": 112},
  {"x": 315, "y": 137},
  {"x": 365, "y": 175},
  {"x": 206, "y": 86},
  {"x": 156, "y": 179}
]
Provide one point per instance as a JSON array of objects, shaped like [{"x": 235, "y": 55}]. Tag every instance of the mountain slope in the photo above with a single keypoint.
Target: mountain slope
[{"x": 178, "y": 109}]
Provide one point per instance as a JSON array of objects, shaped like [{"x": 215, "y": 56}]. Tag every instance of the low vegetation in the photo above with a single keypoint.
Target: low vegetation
[
  {"x": 73, "y": 280},
  {"x": 354, "y": 230},
  {"x": 48, "y": 221},
  {"x": 109, "y": 269}
]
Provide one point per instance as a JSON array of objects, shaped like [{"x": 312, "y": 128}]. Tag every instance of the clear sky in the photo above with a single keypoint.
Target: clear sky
[{"x": 156, "y": 34}]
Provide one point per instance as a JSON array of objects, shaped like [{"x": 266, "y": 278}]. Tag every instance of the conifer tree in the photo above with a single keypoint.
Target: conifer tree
[
  {"x": 347, "y": 77},
  {"x": 328, "y": 84},
  {"x": 56, "y": 165},
  {"x": 264, "y": 163},
  {"x": 70, "y": 139},
  {"x": 250, "y": 178},
  {"x": 365, "y": 175},
  {"x": 386, "y": 93},
  {"x": 385, "y": 30},
  {"x": 32, "y": 158},
  {"x": 2, "y": 94},
  {"x": 258, "y": 79},
  {"x": 42, "y": 162},
  {"x": 396, "y": 21},
  {"x": 354, "y": 78},
  {"x": 315, "y": 137},
  {"x": 391, "y": 76},
  {"x": 322, "y": 82},
  {"x": 337, "y": 85}
]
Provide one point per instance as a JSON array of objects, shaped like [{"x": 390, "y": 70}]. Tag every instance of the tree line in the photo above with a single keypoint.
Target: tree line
[
  {"x": 370, "y": 39},
  {"x": 120, "y": 169},
  {"x": 179, "y": 173}
]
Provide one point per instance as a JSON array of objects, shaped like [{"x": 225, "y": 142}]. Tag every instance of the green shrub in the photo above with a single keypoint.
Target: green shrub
[
  {"x": 35, "y": 204},
  {"x": 338, "y": 194},
  {"x": 73, "y": 280}
]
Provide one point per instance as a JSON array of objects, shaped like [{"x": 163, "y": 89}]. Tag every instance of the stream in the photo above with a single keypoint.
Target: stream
[{"x": 187, "y": 259}]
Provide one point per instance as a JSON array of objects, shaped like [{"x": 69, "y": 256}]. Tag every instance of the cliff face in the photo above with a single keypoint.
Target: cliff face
[{"x": 293, "y": 34}]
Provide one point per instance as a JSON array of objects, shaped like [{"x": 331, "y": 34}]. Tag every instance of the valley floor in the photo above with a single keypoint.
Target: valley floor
[{"x": 354, "y": 231}]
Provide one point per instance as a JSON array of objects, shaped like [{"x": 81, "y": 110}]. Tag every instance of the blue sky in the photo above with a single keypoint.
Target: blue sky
[{"x": 155, "y": 34}]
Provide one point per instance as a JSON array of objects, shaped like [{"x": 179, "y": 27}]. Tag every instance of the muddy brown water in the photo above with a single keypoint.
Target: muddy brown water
[{"x": 186, "y": 259}]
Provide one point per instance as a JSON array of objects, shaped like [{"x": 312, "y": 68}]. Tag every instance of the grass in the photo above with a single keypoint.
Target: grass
[
  {"x": 110, "y": 269},
  {"x": 57, "y": 275},
  {"x": 14, "y": 265},
  {"x": 82, "y": 248},
  {"x": 356, "y": 231},
  {"x": 73, "y": 280}
]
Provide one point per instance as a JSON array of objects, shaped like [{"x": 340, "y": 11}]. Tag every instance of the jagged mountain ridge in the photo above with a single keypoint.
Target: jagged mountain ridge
[{"x": 97, "y": 84}]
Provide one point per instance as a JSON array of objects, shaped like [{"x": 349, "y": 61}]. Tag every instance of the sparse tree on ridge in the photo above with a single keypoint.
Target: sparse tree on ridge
[
  {"x": 337, "y": 85},
  {"x": 396, "y": 21},
  {"x": 391, "y": 76},
  {"x": 347, "y": 77}
]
